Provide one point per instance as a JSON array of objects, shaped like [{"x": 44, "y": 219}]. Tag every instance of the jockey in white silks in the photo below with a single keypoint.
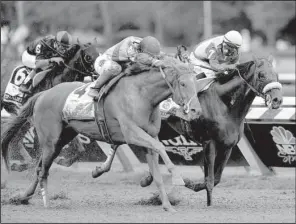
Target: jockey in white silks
[
  {"x": 144, "y": 50},
  {"x": 220, "y": 53}
]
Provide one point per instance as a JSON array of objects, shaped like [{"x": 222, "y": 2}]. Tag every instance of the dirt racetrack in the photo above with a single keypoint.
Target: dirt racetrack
[{"x": 117, "y": 197}]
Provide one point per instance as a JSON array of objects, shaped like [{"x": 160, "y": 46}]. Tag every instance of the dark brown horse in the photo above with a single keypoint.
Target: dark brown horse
[
  {"x": 224, "y": 107},
  {"x": 78, "y": 67},
  {"x": 131, "y": 112}
]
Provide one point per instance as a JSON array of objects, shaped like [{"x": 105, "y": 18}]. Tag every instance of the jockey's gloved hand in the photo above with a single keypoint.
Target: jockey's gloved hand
[
  {"x": 158, "y": 63},
  {"x": 57, "y": 60},
  {"x": 231, "y": 67}
]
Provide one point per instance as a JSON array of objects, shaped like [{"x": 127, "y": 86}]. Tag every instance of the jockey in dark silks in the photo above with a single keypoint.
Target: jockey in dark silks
[
  {"x": 143, "y": 50},
  {"x": 41, "y": 53}
]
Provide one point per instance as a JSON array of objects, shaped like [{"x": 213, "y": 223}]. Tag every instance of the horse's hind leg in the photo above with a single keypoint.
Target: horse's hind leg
[
  {"x": 25, "y": 197},
  {"x": 105, "y": 167},
  {"x": 52, "y": 140}
]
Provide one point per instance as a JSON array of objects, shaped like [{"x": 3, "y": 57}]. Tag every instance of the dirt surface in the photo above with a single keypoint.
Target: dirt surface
[{"x": 117, "y": 197}]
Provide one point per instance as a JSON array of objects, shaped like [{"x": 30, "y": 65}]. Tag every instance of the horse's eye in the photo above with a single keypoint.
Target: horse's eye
[
  {"x": 87, "y": 58},
  {"x": 182, "y": 84}
]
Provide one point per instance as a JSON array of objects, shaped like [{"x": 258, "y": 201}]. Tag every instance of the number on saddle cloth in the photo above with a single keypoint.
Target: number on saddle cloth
[{"x": 12, "y": 93}]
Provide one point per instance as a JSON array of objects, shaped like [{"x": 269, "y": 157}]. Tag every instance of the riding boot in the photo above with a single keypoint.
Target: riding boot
[
  {"x": 94, "y": 91},
  {"x": 26, "y": 86}
]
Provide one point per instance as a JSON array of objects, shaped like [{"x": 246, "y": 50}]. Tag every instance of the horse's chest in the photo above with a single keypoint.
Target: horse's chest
[{"x": 224, "y": 131}]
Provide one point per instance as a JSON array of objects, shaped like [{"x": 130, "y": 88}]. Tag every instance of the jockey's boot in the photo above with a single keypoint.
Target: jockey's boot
[
  {"x": 104, "y": 78},
  {"x": 26, "y": 86},
  {"x": 201, "y": 75}
]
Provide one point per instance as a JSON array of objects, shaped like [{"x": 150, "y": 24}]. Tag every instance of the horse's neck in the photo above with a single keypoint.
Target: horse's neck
[
  {"x": 243, "y": 98},
  {"x": 243, "y": 104},
  {"x": 154, "y": 84}
]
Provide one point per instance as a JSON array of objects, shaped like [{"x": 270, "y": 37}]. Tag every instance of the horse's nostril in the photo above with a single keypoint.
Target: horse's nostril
[{"x": 275, "y": 100}]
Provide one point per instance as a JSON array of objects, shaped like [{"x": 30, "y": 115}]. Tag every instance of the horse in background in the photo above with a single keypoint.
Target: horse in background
[{"x": 79, "y": 67}]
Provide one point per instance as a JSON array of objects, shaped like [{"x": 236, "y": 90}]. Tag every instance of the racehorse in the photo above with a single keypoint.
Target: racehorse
[
  {"x": 132, "y": 116},
  {"x": 224, "y": 107},
  {"x": 80, "y": 66}
]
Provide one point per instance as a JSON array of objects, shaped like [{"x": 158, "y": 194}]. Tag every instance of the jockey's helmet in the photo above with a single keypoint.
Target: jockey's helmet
[
  {"x": 64, "y": 37},
  {"x": 150, "y": 45},
  {"x": 233, "y": 38}
]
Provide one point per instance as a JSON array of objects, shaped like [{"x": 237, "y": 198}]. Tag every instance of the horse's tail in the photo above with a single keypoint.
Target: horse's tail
[{"x": 13, "y": 125}]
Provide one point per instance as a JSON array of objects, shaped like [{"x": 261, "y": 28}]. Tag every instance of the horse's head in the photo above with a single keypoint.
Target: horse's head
[
  {"x": 87, "y": 54},
  {"x": 265, "y": 83},
  {"x": 183, "y": 85}
]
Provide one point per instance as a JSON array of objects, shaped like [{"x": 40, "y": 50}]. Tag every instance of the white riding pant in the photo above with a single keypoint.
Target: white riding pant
[
  {"x": 104, "y": 65},
  {"x": 194, "y": 61},
  {"x": 28, "y": 59}
]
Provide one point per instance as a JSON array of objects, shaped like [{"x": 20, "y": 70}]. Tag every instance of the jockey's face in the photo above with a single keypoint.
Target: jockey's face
[
  {"x": 62, "y": 47},
  {"x": 229, "y": 49}
]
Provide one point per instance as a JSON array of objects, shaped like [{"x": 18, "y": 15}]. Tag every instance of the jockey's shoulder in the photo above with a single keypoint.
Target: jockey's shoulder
[{"x": 214, "y": 41}]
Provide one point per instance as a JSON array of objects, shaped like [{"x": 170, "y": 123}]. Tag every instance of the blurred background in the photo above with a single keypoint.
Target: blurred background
[{"x": 267, "y": 26}]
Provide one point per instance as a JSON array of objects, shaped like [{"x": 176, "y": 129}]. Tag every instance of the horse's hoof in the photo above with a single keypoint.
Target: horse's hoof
[
  {"x": 20, "y": 200},
  {"x": 178, "y": 181},
  {"x": 97, "y": 172},
  {"x": 146, "y": 181},
  {"x": 169, "y": 209}
]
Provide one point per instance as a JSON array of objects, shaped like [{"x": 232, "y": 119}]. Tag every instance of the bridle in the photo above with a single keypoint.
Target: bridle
[
  {"x": 269, "y": 86},
  {"x": 186, "y": 106}
]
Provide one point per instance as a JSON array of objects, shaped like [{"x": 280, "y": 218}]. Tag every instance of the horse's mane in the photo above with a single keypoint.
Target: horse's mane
[
  {"x": 169, "y": 61},
  {"x": 242, "y": 68},
  {"x": 221, "y": 78}
]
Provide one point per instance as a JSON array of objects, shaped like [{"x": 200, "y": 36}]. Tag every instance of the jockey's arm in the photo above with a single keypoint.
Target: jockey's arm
[
  {"x": 214, "y": 63},
  {"x": 146, "y": 59}
]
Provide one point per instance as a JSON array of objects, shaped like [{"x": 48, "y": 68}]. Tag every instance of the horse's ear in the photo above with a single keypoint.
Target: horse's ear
[
  {"x": 255, "y": 59},
  {"x": 78, "y": 41},
  {"x": 95, "y": 41},
  {"x": 270, "y": 59}
]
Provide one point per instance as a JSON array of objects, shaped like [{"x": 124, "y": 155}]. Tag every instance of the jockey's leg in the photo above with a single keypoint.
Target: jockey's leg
[
  {"x": 107, "y": 71},
  {"x": 29, "y": 85},
  {"x": 26, "y": 86}
]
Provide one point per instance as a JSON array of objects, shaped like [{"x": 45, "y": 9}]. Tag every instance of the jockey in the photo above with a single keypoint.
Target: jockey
[
  {"x": 144, "y": 50},
  {"x": 41, "y": 53},
  {"x": 219, "y": 53}
]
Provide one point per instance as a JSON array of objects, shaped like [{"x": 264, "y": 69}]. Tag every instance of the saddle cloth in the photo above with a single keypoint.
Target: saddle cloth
[{"x": 79, "y": 105}]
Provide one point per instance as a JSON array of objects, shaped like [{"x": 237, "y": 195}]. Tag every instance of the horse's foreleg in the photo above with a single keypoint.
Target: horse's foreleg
[
  {"x": 137, "y": 136},
  {"x": 220, "y": 163},
  {"x": 210, "y": 151},
  {"x": 153, "y": 157},
  {"x": 105, "y": 167}
]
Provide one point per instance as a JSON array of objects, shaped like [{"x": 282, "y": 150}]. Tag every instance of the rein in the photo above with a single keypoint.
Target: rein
[
  {"x": 74, "y": 69},
  {"x": 225, "y": 72},
  {"x": 186, "y": 105}
]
